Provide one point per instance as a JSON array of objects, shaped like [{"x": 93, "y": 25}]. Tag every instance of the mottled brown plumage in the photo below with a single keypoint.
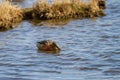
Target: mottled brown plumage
[{"x": 48, "y": 45}]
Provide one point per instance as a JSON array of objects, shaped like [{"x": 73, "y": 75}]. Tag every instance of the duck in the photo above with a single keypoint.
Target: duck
[{"x": 48, "y": 45}]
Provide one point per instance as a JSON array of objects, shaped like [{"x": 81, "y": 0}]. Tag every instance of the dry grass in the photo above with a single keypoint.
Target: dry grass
[
  {"x": 67, "y": 9},
  {"x": 10, "y": 15},
  {"x": 58, "y": 9}
]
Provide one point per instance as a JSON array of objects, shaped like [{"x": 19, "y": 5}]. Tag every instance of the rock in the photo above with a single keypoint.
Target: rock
[
  {"x": 102, "y": 4},
  {"x": 48, "y": 45},
  {"x": 27, "y": 13}
]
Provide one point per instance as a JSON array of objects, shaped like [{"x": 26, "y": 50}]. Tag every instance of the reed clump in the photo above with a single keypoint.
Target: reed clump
[
  {"x": 10, "y": 15},
  {"x": 67, "y": 9}
]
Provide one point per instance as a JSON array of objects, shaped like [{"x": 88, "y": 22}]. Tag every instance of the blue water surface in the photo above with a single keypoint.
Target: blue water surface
[{"x": 90, "y": 48}]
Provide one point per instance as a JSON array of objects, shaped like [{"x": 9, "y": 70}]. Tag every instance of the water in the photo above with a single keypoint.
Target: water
[{"x": 90, "y": 49}]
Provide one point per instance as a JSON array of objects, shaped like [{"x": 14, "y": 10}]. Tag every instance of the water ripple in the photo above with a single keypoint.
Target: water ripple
[{"x": 90, "y": 49}]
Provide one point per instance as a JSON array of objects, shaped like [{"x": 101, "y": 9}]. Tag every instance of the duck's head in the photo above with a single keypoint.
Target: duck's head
[{"x": 55, "y": 46}]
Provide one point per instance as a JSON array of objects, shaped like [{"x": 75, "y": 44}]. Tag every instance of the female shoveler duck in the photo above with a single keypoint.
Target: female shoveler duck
[{"x": 48, "y": 45}]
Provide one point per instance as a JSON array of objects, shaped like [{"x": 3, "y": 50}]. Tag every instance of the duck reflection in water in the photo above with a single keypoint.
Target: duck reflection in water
[{"x": 48, "y": 46}]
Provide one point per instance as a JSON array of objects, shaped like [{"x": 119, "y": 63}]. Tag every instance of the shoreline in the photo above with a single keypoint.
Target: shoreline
[{"x": 45, "y": 11}]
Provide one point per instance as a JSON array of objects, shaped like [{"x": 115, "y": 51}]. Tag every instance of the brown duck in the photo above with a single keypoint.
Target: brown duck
[{"x": 48, "y": 45}]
